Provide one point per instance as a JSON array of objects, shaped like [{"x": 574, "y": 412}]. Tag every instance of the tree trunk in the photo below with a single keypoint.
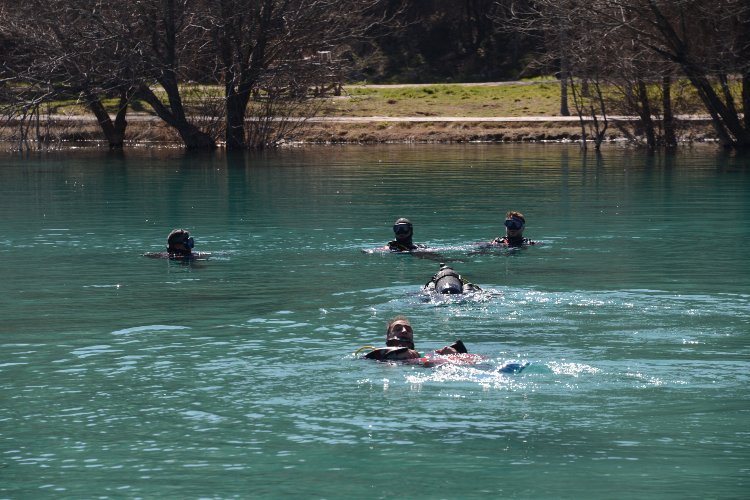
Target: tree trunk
[
  {"x": 746, "y": 99},
  {"x": 114, "y": 131},
  {"x": 724, "y": 118},
  {"x": 120, "y": 122},
  {"x": 578, "y": 103},
  {"x": 670, "y": 138},
  {"x": 170, "y": 20},
  {"x": 600, "y": 133},
  {"x": 564, "y": 110},
  {"x": 235, "y": 133},
  {"x": 191, "y": 136},
  {"x": 646, "y": 120},
  {"x": 714, "y": 106}
]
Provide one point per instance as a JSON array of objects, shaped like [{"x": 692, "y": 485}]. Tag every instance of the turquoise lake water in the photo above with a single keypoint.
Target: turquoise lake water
[{"x": 123, "y": 376}]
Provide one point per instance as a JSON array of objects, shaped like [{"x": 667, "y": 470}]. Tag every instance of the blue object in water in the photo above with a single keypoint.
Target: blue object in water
[{"x": 513, "y": 367}]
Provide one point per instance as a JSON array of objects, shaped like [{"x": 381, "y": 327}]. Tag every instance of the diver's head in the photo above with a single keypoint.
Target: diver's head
[
  {"x": 403, "y": 230},
  {"x": 515, "y": 223},
  {"x": 180, "y": 242},
  {"x": 398, "y": 333},
  {"x": 448, "y": 281}
]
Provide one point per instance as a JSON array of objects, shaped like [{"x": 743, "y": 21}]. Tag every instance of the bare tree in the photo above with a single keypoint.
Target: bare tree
[
  {"x": 637, "y": 46},
  {"x": 154, "y": 50},
  {"x": 640, "y": 85},
  {"x": 708, "y": 41},
  {"x": 277, "y": 40},
  {"x": 573, "y": 47},
  {"x": 63, "y": 50},
  {"x": 553, "y": 25},
  {"x": 165, "y": 37}
]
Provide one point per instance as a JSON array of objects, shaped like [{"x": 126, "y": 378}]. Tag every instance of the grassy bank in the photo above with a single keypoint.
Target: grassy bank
[
  {"x": 514, "y": 100},
  {"x": 450, "y": 132},
  {"x": 524, "y": 98}
]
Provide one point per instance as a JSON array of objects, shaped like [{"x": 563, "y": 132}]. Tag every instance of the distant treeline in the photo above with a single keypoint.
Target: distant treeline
[
  {"x": 450, "y": 40},
  {"x": 273, "y": 58}
]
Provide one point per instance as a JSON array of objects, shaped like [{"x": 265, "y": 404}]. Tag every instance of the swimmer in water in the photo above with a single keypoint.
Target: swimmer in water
[
  {"x": 403, "y": 232},
  {"x": 399, "y": 341},
  {"x": 180, "y": 244},
  {"x": 400, "y": 347},
  {"x": 179, "y": 247},
  {"x": 448, "y": 281},
  {"x": 515, "y": 223}
]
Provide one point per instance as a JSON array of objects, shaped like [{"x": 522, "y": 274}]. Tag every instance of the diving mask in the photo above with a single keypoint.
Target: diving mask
[{"x": 402, "y": 228}]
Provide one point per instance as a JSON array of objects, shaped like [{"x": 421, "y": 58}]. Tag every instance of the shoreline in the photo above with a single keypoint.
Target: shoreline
[
  {"x": 148, "y": 130},
  {"x": 516, "y": 130}
]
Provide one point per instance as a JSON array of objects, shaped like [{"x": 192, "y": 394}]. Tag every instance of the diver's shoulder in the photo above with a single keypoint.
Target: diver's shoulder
[
  {"x": 157, "y": 255},
  {"x": 180, "y": 257},
  {"x": 397, "y": 246},
  {"x": 504, "y": 241}
]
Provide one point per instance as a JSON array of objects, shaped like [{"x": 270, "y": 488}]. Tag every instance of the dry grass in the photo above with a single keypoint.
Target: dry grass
[
  {"x": 448, "y": 132},
  {"x": 437, "y": 132},
  {"x": 518, "y": 99},
  {"x": 62, "y": 134},
  {"x": 515, "y": 99}
]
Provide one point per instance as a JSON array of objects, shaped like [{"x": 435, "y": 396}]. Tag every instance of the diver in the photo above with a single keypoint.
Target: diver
[
  {"x": 400, "y": 347},
  {"x": 399, "y": 341},
  {"x": 403, "y": 232},
  {"x": 180, "y": 244},
  {"x": 515, "y": 223},
  {"x": 179, "y": 247},
  {"x": 448, "y": 281}
]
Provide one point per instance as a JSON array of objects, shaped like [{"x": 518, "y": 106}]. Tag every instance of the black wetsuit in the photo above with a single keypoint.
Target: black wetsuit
[
  {"x": 515, "y": 242},
  {"x": 397, "y": 246},
  {"x": 392, "y": 353}
]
